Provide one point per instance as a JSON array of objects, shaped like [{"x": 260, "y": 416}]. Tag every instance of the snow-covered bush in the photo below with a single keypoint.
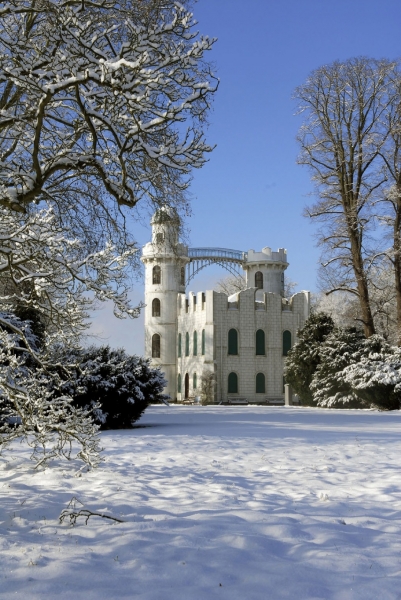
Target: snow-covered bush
[
  {"x": 356, "y": 372},
  {"x": 304, "y": 358},
  {"x": 46, "y": 274},
  {"x": 329, "y": 385},
  {"x": 117, "y": 385},
  {"x": 375, "y": 374},
  {"x": 29, "y": 411}
]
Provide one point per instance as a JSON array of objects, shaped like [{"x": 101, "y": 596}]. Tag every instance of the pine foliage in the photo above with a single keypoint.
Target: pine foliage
[
  {"x": 375, "y": 375},
  {"x": 357, "y": 372},
  {"x": 116, "y": 385},
  {"x": 304, "y": 358},
  {"x": 329, "y": 385}
]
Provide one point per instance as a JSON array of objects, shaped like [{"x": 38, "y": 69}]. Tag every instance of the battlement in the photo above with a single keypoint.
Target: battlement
[{"x": 267, "y": 255}]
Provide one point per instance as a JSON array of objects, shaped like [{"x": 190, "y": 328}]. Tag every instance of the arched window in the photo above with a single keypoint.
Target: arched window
[
  {"x": 179, "y": 345},
  {"x": 187, "y": 344},
  {"x": 157, "y": 274},
  {"x": 233, "y": 383},
  {"x": 194, "y": 378},
  {"x": 156, "y": 307},
  {"x": 233, "y": 342},
  {"x": 156, "y": 346},
  {"x": 203, "y": 342},
  {"x": 179, "y": 383},
  {"x": 259, "y": 280},
  {"x": 182, "y": 276},
  {"x": 260, "y": 383},
  {"x": 186, "y": 385},
  {"x": 286, "y": 342},
  {"x": 195, "y": 343},
  {"x": 260, "y": 343}
]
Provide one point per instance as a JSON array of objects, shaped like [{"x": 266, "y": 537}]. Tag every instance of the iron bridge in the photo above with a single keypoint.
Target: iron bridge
[{"x": 199, "y": 258}]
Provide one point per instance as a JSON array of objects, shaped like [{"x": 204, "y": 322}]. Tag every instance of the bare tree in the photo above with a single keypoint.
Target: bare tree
[
  {"x": 231, "y": 284},
  {"x": 345, "y": 309},
  {"x": 390, "y": 198},
  {"x": 100, "y": 90},
  {"x": 345, "y": 131},
  {"x": 207, "y": 388}
]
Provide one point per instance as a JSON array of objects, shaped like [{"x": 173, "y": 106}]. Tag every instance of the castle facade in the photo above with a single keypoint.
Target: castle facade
[{"x": 238, "y": 342}]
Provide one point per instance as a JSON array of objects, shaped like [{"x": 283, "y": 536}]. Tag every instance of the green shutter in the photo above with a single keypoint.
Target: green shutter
[
  {"x": 179, "y": 384},
  {"x": 194, "y": 381},
  {"x": 233, "y": 342},
  {"x": 233, "y": 383},
  {"x": 179, "y": 345},
  {"x": 286, "y": 342},
  {"x": 203, "y": 341},
  {"x": 260, "y": 383},
  {"x": 260, "y": 342},
  {"x": 187, "y": 344},
  {"x": 195, "y": 343}
]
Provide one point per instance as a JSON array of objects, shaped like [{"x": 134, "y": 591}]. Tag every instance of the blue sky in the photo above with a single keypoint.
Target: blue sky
[{"x": 252, "y": 193}]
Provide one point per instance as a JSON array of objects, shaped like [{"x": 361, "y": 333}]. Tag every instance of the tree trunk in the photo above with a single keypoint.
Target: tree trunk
[
  {"x": 362, "y": 285},
  {"x": 397, "y": 262}
]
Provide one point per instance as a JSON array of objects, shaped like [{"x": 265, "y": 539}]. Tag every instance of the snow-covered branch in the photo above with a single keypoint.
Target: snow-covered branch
[{"x": 94, "y": 88}]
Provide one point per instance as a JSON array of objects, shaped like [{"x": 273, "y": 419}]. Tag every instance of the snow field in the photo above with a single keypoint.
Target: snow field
[{"x": 242, "y": 503}]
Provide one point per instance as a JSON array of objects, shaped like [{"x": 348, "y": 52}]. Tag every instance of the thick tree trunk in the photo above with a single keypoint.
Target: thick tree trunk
[
  {"x": 397, "y": 264},
  {"x": 362, "y": 285}
]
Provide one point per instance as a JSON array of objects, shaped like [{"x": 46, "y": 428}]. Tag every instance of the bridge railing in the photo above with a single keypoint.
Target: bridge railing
[{"x": 218, "y": 253}]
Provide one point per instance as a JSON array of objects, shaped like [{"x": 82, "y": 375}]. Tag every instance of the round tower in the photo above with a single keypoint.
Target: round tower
[
  {"x": 164, "y": 259},
  {"x": 265, "y": 270}
]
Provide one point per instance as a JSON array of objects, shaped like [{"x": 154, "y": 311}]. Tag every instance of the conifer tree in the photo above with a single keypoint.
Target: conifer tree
[{"x": 304, "y": 358}]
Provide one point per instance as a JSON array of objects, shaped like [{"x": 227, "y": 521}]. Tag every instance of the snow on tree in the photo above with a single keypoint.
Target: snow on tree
[
  {"x": 43, "y": 270},
  {"x": 349, "y": 108},
  {"x": 118, "y": 386},
  {"x": 329, "y": 386},
  {"x": 100, "y": 92},
  {"x": 304, "y": 357},
  {"x": 375, "y": 374}
]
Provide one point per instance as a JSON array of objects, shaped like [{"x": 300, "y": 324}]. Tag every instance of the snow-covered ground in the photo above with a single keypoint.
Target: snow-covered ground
[{"x": 221, "y": 502}]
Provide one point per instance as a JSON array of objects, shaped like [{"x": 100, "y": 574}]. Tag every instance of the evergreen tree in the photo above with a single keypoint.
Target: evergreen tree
[
  {"x": 329, "y": 387},
  {"x": 304, "y": 358},
  {"x": 375, "y": 375},
  {"x": 118, "y": 386}
]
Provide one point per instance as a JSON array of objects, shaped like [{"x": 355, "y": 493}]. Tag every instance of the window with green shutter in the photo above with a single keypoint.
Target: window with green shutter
[
  {"x": 260, "y": 342},
  {"x": 233, "y": 342},
  {"x": 187, "y": 344},
  {"x": 179, "y": 345},
  {"x": 195, "y": 343},
  {"x": 203, "y": 342},
  {"x": 194, "y": 381},
  {"x": 286, "y": 342},
  {"x": 233, "y": 383},
  {"x": 179, "y": 384},
  {"x": 260, "y": 383}
]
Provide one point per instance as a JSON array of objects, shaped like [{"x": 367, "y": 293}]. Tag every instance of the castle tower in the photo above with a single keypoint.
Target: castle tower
[
  {"x": 164, "y": 259},
  {"x": 265, "y": 270}
]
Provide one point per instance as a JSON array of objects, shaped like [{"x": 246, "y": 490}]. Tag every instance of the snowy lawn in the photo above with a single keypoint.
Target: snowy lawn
[{"x": 221, "y": 502}]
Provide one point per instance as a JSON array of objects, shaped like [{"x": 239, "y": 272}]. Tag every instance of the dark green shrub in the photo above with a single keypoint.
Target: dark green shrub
[
  {"x": 304, "y": 358},
  {"x": 122, "y": 385}
]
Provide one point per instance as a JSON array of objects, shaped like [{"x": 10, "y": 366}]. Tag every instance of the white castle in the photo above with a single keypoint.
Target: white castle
[{"x": 241, "y": 339}]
